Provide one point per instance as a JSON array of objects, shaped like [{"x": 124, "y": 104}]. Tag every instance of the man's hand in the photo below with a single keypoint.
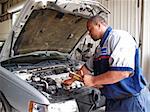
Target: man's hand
[
  {"x": 68, "y": 82},
  {"x": 73, "y": 77},
  {"x": 80, "y": 75},
  {"x": 89, "y": 81}
]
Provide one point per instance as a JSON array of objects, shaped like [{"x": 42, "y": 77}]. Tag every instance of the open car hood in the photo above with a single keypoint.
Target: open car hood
[{"x": 50, "y": 25}]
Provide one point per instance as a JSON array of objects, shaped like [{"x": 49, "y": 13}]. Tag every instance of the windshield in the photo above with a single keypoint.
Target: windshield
[{"x": 50, "y": 30}]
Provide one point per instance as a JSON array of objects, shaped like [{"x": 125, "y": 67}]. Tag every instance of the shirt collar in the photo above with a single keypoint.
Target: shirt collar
[{"x": 109, "y": 29}]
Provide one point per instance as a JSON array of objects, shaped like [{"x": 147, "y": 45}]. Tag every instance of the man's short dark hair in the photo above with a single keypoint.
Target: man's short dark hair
[{"x": 96, "y": 19}]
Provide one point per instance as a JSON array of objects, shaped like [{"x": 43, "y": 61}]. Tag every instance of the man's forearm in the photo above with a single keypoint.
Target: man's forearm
[{"x": 109, "y": 77}]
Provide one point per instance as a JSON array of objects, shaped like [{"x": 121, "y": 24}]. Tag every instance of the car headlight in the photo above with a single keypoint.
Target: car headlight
[
  {"x": 36, "y": 107},
  {"x": 66, "y": 106}
]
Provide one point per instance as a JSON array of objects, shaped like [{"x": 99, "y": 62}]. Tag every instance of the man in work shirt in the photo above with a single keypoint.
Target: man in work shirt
[{"x": 116, "y": 69}]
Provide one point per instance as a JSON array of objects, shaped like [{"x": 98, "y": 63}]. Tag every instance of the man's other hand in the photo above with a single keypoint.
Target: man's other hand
[{"x": 89, "y": 81}]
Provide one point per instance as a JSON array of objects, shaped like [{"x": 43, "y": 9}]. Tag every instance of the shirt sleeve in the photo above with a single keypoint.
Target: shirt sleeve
[{"x": 122, "y": 56}]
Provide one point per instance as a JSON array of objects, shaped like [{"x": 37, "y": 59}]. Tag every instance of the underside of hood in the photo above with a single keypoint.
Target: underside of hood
[
  {"x": 50, "y": 30},
  {"x": 50, "y": 25}
]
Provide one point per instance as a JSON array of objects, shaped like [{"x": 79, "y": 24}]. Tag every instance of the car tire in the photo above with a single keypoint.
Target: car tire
[{"x": 4, "y": 105}]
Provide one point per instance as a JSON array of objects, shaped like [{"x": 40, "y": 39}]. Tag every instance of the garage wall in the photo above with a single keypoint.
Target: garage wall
[
  {"x": 5, "y": 28},
  {"x": 0, "y": 8},
  {"x": 6, "y": 19},
  {"x": 125, "y": 15},
  {"x": 146, "y": 40}
]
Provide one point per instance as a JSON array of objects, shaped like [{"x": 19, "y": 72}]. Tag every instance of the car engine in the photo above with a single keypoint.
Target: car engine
[{"x": 47, "y": 77}]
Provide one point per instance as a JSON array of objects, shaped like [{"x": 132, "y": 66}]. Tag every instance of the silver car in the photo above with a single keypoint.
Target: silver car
[{"x": 48, "y": 40}]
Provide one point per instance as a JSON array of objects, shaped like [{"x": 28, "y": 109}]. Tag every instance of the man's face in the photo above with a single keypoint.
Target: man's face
[{"x": 94, "y": 30}]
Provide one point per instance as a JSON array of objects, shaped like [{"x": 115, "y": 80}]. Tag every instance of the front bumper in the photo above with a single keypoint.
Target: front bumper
[{"x": 66, "y": 106}]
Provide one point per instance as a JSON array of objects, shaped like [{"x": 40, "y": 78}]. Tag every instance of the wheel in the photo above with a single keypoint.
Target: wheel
[{"x": 4, "y": 105}]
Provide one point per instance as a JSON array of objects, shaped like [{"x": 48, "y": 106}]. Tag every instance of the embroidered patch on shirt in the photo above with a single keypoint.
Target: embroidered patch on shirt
[{"x": 103, "y": 51}]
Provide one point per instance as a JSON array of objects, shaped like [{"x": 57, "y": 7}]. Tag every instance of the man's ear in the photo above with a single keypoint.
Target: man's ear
[{"x": 99, "y": 25}]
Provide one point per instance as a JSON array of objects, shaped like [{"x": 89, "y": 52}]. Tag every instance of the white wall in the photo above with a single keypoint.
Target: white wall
[
  {"x": 5, "y": 28},
  {"x": 125, "y": 15},
  {"x": 146, "y": 40},
  {"x": 0, "y": 9}
]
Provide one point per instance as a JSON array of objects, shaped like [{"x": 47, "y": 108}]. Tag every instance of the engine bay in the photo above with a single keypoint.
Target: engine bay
[{"x": 47, "y": 76}]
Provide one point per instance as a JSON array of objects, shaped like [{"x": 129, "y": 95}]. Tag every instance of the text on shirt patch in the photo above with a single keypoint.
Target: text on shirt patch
[{"x": 103, "y": 51}]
